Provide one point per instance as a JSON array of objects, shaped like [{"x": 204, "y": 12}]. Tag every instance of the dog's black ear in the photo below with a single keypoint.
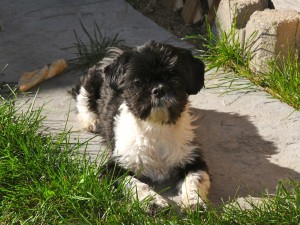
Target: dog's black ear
[
  {"x": 115, "y": 71},
  {"x": 194, "y": 72}
]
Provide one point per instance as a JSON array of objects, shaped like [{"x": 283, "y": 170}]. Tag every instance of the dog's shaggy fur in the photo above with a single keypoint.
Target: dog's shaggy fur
[{"x": 137, "y": 99}]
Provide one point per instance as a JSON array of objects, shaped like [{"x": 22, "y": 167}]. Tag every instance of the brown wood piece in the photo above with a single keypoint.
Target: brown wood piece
[
  {"x": 211, "y": 15},
  {"x": 189, "y": 11},
  {"x": 172, "y": 4}
]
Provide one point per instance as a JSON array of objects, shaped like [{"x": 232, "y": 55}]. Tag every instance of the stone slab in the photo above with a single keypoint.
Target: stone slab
[
  {"x": 277, "y": 34},
  {"x": 236, "y": 11},
  {"x": 287, "y": 4}
]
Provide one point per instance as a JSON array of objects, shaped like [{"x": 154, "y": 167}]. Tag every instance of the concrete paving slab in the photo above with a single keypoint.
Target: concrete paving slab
[
  {"x": 287, "y": 4},
  {"x": 277, "y": 33},
  {"x": 239, "y": 12},
  {"x": 39, "y": 31},
  {"x": 250, "y": 140}
]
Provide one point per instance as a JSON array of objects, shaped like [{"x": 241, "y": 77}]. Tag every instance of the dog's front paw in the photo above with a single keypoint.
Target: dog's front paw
[
  {"x": 155, "y": 204},
  {"x": 150, "y": 201},
  {"x": 194, "y": 190},
  {"x": 93, "y": 126},
  {"x": 192, "y": 201}
]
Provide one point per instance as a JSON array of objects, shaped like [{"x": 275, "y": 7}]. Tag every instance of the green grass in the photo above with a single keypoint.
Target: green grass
[
  {"x": 226, "y": 52},
  {"x": 281, "y": 208},
  {"x": 45, "y": 180},
  {"x": 283, "y": 81}
]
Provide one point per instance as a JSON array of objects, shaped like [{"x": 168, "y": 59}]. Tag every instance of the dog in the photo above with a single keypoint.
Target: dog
[{"x": 137, "y": 100}]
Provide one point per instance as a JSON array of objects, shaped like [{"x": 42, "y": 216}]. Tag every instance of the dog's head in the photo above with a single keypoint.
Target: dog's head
[{"x": 155, "y": 80}]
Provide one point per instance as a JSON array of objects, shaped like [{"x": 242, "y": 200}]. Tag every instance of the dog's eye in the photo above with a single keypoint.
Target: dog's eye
[{"x": 175, "y": 82}]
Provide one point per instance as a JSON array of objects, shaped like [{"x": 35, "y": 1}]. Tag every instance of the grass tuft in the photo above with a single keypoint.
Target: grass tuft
[
  {"x": 228, "y": 53},
  {"x": 90, "y": 52},
  {"x": 225, "y": 51},
  {"x": 283, "y": 81}
]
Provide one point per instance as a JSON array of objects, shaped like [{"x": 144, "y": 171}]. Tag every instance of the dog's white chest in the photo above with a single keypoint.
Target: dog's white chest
[{"x": 151, "y": 149}]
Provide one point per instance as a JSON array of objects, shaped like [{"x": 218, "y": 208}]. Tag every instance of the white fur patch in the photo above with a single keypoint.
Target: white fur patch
[
  {"x": 141, "y": 192},
  {"x": 153, "y": 149},
  {"x": 194, "y": 189},
  {"x": 87, "y": 118}
]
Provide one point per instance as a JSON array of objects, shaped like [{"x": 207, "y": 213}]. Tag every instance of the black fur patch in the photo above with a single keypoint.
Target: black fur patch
[{"x": 197, "y": 164}]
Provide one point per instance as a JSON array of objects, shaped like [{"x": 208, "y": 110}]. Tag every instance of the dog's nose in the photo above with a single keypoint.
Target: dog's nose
[{"x": 158, "y": 92}]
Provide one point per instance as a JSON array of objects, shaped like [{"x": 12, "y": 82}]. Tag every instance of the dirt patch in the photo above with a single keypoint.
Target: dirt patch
[{"x": 168, "y": 19}]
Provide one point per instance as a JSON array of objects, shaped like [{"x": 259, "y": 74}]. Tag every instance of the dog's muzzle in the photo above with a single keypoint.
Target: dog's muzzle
[
  {"x": 158, "y": 92},
  {"x": 160, "y": 97},
  {"x": 160, "y": 104}
]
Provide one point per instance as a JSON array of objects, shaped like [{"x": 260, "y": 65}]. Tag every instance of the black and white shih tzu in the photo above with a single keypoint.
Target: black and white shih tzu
[{"x": 137, "y": 100}]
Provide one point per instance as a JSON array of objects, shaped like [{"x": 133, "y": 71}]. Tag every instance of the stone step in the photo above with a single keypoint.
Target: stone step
[{"x": 287, "y": 4}]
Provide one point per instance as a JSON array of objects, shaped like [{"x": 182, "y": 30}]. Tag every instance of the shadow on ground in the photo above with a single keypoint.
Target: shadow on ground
[{"x": 237, "y": 157}]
